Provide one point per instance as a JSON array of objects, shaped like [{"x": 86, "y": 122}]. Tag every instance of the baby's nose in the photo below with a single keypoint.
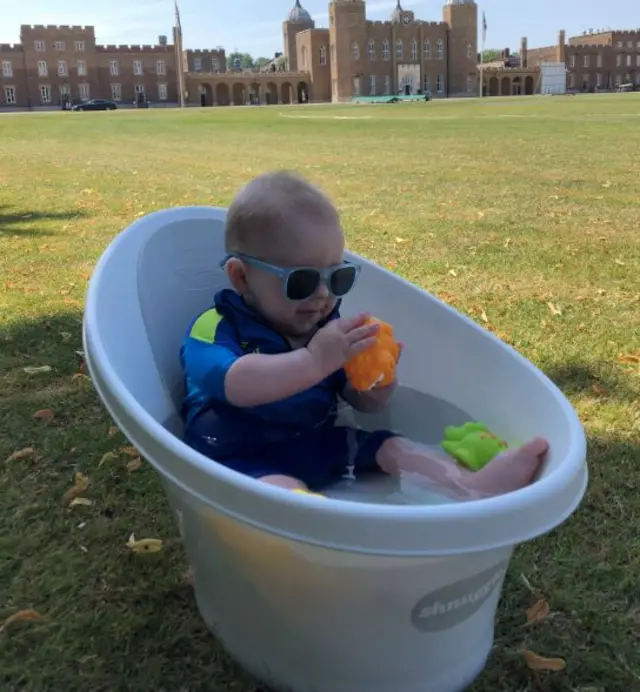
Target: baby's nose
[{"x": 322, "y": 291}]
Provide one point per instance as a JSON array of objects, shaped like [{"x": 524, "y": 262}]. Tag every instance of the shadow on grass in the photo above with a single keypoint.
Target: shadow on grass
[
  {"x": 20, "y": 222},
  {"x": 603, "y": 379},
  {"x": 121, "y": 621}
]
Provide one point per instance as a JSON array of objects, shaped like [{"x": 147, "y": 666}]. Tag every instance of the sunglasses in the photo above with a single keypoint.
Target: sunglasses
[{"x": 300, "y": 283}]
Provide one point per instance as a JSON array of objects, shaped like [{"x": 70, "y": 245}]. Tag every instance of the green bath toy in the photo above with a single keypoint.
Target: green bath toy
[{"x": 473, "y": 445}]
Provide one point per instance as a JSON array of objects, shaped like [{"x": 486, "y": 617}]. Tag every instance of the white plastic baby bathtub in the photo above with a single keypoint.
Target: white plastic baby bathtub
[{"x": 318, "y": 595}]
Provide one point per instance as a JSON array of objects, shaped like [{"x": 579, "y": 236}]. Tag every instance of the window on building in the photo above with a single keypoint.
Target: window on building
[
  {"x": 629, "y": 60},
  {"x": 162, "y": 92},
  {"x": 619, "y": 60},
  {"x": 385, "y": 49},
  {"x": 62, "y": 68},
  {"x": 572, "y": 80},
  {"x": 572, "y": 61},
  {"x": 598, "y": 79},
  {"x": 440, "y": 49},
  {"x": 637, "y": 60},
  {"x": 387, "y": 85},
  {"x": 619, "y": 44},
  {"x": 426, "y": 84},
  {"x": 60, "y": 46},
  {"x": 10, "y": 95},
  {"x": 586, "y": 80},
  {"x": 627, "y": 78},
  {"x": 116, "y": 92},
  {"x": 79, "y": 46},
  {"x": 215, "y": 65},
  {"x": 629, "y": 44},
  {"x": 84, "y": 91},
  {"x": 39, "y": 46},
  {"x": 439, "y": 83},
  {"x": 64, "y": 92},
  {"x": 355, "y": 51},
  {"x": 7, "y": 68},
  {"x": 371, "y": 49},
  {"x": 323, "y": 55},
  {"x": 586, "y": 61},
  {"x": 469, "y": 51},
  {"x": 426, "y": 50},
  {"x": 469, "y": 83},
  {"x": 637, "y": 45},
  {"x": 139, "y": 88},
  {"x": 414, "y": 50},
  {"x": 197, "y": 64},
  {"x": 356, "y": 86},
  {"x": 160, "y": 67},
  {"x": 137, "y": 67},
  {"x": 372, "y": 84},
  {"x": 114, "y": 68},
  {"x": 599, "y": 60},
  {"x": 81, "y": 67},
  {"x": 45, "y": 93},
  {"x": 399, "y": 49},
  {"x": 43, "y": 70},
  {"x": 303, "y": 58},
  {"x": 637, "y": 78}
]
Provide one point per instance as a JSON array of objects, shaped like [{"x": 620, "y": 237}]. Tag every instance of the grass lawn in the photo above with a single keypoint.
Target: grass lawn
[{"x": 523, "y": 213}]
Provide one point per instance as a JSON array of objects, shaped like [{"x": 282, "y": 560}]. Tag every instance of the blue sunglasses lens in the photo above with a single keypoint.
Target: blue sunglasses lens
[{"x": 303, "y": 283}]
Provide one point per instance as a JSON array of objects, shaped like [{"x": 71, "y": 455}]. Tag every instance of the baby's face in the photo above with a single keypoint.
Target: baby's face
[{"x": 312, "y": 245}]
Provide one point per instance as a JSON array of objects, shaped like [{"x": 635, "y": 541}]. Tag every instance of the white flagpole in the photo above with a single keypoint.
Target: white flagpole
[{"x": 484, "y": 32}]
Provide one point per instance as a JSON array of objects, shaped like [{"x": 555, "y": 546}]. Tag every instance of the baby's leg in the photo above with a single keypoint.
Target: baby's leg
[
  {"x": 509, "y": 471},
  {"x": 286, "y": 482}
]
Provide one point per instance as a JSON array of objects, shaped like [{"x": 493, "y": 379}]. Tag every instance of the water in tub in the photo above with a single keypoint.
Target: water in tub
[{"x": 419, "y": 417}]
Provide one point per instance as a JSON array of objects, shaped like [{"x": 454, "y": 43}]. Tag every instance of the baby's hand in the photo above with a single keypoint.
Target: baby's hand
[
  {"x": 376, "y": 399},
  {"x": 341, "y": 339}
]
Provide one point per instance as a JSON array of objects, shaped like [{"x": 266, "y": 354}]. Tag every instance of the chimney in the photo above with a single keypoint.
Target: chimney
[
  {"x": 561, "y": 53},
  {"x": 523, "y": 52},
  {"x": 162, "y": 40}
]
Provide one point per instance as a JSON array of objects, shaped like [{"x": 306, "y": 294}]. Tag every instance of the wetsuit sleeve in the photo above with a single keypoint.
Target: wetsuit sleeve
[{"x": 207, "y": 354}]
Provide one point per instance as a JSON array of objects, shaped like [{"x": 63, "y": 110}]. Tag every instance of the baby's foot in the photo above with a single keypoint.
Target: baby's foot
[{"x": 509, "y": 471}]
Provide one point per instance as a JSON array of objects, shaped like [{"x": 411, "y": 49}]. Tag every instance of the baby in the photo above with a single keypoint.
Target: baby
[{"x": 264, "y": 367}]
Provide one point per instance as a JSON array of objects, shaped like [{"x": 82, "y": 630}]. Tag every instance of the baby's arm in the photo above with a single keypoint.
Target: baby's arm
[
  {"x": 372, "y": 401},
  {"x": 258, "y": 379}
]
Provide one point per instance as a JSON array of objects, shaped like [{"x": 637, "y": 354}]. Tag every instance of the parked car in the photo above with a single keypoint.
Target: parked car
[{"x": 94, "y": 105}]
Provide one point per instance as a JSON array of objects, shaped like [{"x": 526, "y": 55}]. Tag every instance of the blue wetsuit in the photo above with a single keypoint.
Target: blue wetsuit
[{"x": 294, "y": 437}]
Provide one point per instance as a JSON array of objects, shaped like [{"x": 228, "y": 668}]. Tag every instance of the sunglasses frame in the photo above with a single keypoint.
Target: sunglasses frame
[{"x": 284, "y": 273}]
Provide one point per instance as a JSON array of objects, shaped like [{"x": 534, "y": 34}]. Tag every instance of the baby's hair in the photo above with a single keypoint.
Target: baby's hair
[{"x": 271, "y": 206}]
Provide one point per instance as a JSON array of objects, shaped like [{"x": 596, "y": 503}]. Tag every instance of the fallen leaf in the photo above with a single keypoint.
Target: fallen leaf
[
  {"x": 44, "y": 414},
  {"x": 37, "y": 369},
  {"x": 134, "y": 465},
  {"x": 535, "y": 662},
  {"x": 506, "y": 242},
  {"x": 619, "y": 262},
  {"x": 66, "y": 337},
  {"x": 21, "y": 454},
  {"x": 81, "y": 484},
  {"x": 109, "y": 456},
  {"x": 554, "y": 309},
  {"x": 144, "y": 545},
  {"x": 28, "y": 615},
  {"x": 629, "y": 359},
  {"x": 82, "y": 501},
  {"x": 113, "y": 431},
  {"x": 453, "y": 272},
  {"x": 130, "y": 451},
  {"x": 81, "y": 376},
  {"x": 483, "y": 317},
  {"x": 400, "y": 241},
  {"x": 538, "y": 611},
  {"x": 599, "y": 389},
  {"x": 607, "y": 184}
]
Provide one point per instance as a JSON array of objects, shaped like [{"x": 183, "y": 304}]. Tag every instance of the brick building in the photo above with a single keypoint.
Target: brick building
[
  {"x": 595, "y": 59},
  {"x": 354, "y": 56}
]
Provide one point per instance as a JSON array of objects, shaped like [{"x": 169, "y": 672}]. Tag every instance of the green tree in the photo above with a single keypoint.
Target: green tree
[
  {"x": 244, "y": 59},
  {"x": 261, "y": 62},
  {"x": 491, "y": 54}
]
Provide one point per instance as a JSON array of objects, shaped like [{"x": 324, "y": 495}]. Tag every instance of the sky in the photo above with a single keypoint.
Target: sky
[{"x": 255, "y": 26}]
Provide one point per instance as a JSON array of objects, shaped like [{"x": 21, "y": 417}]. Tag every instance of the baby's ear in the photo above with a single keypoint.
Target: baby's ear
[{"x": 237, "y": 275}]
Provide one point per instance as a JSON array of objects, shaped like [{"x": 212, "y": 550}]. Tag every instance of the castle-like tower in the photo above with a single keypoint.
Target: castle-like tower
[
  {"x": 298, "y": 20},
  {"x": 461, "y": 16},
  {"x": 347, "y": 38}
]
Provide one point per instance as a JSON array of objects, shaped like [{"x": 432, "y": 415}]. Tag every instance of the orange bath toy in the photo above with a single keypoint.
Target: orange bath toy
[{"x": 377, "y": 365}]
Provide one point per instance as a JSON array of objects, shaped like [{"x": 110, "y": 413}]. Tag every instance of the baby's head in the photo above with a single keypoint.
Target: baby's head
[{"x": 277, "y": 223}]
